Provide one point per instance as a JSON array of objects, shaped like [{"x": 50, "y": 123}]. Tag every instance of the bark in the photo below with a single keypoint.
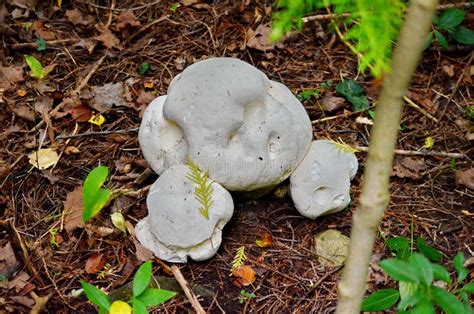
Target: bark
[{"x": 375, "y": 191}]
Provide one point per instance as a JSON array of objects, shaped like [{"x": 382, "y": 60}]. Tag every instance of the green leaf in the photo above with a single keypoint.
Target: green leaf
[
  {"x": 439, "y": 272},
  {"x": 399, "y": 270},
  {"x": 407, "y": 289},
  {"x": 380, "y": 300},
  {"x": 142, "y": 278},
  {"x": 93, "y": 196},
  {"x": 450, "y": 18},
  {"x": 416, "y": 296},
  {"x": 442, "y": 41},
  {"x": 174, "y": 7},
  {"x": 422, "y": 265},
  {"x": 139, "y": 307},
  {"x": 96, "y": 296},
  {"x": 463, "y": 35},
  {"x": 307, "y": 94},
  {"x": 446, "y": 301},
  {"x": 458, "y": 263},
  {"x": 428, "y": 41},
  {"x": 40, "y": 44},
  {"x": 425, "y": 307},
  {"x": 153, "y": 297},
  {"x": 37, "y": 70},
  {"x": 469, "y": 288},
  {"x": 371, "y": 114},
  {"x": 144, "y": 67},
  {"x": 401, "y": 246},
  {"x": 428, "y": 251},
  {"x": 354, "y": 93}
]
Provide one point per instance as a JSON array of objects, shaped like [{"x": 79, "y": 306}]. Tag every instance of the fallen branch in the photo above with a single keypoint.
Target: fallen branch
[
  {"x": 417, "y": 153},
  {"x": 189, "y": 293},
  {"x": 62, "y": 137},
  {"x": 49, "y": 43},
  {"x": 421, "y": 110}
]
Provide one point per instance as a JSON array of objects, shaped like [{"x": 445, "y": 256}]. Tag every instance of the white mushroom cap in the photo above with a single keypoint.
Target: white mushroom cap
[
  {"x": 161, "y": 141},
  {"x": 246, "y": 130},
  {"x": 175, "y": 228},
  {"x": 320, "y": 184}
]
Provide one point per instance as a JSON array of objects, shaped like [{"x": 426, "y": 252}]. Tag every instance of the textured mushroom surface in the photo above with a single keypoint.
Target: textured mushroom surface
[
  {"x": 175, "y": 228},
  {"x": 247, "y": 131},
  {"x": 321, "y": 183},
  {"x": 161, "y": 141}
]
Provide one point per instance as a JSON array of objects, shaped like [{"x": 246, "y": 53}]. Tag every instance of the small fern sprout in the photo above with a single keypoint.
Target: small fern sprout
[
  {"x": 239, "y": 258},
  {"x": 203, "y": 190},
  {"x": 341, "y": 145}
]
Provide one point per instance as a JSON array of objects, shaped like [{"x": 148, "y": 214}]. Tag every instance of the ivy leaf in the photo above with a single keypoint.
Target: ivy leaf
[
  {"x": 96, "y": 296},
  {"x": 463, "y": 35},
  {"x": 458, "y": 266},
  {"x": 442, "y": 41},
  {"x": 427, "y": 250},
  {"x": 93, "y": 196},
  {"x": 447, "y": 301},
  {"x": 142, "y": 278},
  {"x": 423, "y": 268},
  {"x": 40, "y": 44},
  {"x": 450, "y": 18},
  {"x": 380, "y": 300},
  {"x": 354, "y": 93},
  {"x": 153, "y": 297},
  {"x": 399, "y": 270}
]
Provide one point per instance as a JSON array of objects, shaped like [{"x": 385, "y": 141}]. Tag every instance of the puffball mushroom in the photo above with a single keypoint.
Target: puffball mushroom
[
  {"x": 247, "y": 131},
  {"x": 175, "y": 227},
  {"x": 320, "y": 184}
]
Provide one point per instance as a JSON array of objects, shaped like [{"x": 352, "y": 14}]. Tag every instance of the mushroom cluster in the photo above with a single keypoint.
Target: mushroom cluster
[{"x": 222, "y": 126}]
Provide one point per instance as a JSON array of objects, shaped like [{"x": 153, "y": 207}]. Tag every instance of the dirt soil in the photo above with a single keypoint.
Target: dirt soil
[{"x": 93, "y": 43}]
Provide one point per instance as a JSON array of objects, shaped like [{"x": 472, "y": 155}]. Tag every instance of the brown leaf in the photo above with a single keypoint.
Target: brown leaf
[
  {"x": 43, "y": 105},
  {"x": 331, "y": 103},
  {"x": 245, "y": 276},
  {"x": 81, "y": 113},
  {"x": 407, "y": 167},
  {"x": 8, "y": 262},
  {"x": 127, "y": 18},
  {"x": 448, "y": 69},
  {"x": 25, "y": 301},
  {"x": 95, "y": 263},
  {"x": 9, "y": 76},
  {"x": 24, "y": 112},
  {"x": 142, "y": 253},
  {"x": 19, "y": 282},
  {"x": 108, "y": 95},
  {"x": 465, "y": 178},
  {"x": 75, "y": 17},
  {"x": 26, "y": 4},
  {"x": 259, "y": 39},
  {"x": 40, "y": 30},
  {"x": 107, "y": 38},
  {"x": 266, "y": 240},
  {"x": 73, "y": 211}
]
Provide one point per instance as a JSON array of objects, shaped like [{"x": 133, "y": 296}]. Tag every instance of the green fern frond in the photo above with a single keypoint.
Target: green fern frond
[
  {"x": 341, "y": 145},
  {"x": 203, "y": 189},
  {"x": 239, "y": 258}
]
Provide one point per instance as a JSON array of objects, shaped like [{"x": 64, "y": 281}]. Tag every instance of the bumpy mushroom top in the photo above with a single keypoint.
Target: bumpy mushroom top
[{"x": 247, "y": 131}]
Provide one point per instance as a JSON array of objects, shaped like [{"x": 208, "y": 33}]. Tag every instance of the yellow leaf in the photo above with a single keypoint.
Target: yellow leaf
[
  {"x": 43, "y": 158},
  {"x": 119, "y": 221},
  {"x": 148, "y": 84},
  {"x": 120, "y": 307},
  {"x": 266, "y": 240},
  {"x": 60, "y": 3},
  {"x": 429, "y": 142},
  {"x": 21, "y": 92},
  {"x": 97, "y": 119}
]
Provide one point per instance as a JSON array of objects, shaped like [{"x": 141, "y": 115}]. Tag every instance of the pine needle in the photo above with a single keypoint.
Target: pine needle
[
  {"x": 239, "y": 258},
  {"x": 341, "y": 145},
  {"x": 203, "y": 190}
]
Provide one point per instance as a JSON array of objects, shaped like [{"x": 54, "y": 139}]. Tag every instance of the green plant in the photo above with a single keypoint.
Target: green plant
[
  {"x": 94, "y": 197},
  {"x": 239, "y": 258},
  {"x": 203, "y": 190},
  {"x": 40, "y": 44},
  {"x": 37, "y": 70},
  {"x": 354, "y": 93},
  {"x": 307, "y": 94},
  {"x": 419, "y": 279},
  {"x": 142, "y": 296},
  {"x": 469, "y": 112},
  {"x": 144, "y": 67},
  {"x": 449, "y": 22},
  {"x": 367, "y": 18},
  {"x": 245, "y": 296}
]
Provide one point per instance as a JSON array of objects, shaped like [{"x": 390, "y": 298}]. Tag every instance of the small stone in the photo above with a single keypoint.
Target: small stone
[
  {"x": 331, "y": 103},
  {"x": 331, "y": 247}
]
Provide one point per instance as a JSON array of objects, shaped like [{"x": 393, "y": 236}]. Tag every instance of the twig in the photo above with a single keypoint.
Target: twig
[
  {"x": 49, "y": 43},
  {"x": 121, "y": 10},
  {"x": 189, "y": 293},
  {"x": 144, "y": 28},
  {"x": 462, "y": 5},
  {"x": 61, "y": 137},
  {"x": 423, "y": 111},
  {"x": 40, "y": 302},
  {"x": 111, "y": 14},
  {"x": 345, "y": 115},
  {"x": 417, "y": 153}
]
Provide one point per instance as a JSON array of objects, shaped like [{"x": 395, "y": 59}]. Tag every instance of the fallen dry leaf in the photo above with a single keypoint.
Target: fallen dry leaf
[
  {"x": 41, "y": 31},
  {"x": 142, "y": 253},
  {"x": 408, "y": 167},
  {"x": 75, "y": 17},
  {"x": 108, "y": 95},
  {"x": 95, "y": 263},
  {"x": 43, "y": 105},
  {"x": 73, "y": 211},
  {"x": 25, "y": 301},
  {"x": 107, "y": 38},
  {"x": 19, "y": 282},
  {"x": 189, "y": 2},
  {"x": 465, "y": 178},
  {"x": 8, "y": 262},
  {"x": 259, "y": 39},
  {"x": 70, "y": 150},
  {"x": 448, "y": 69},
  {"x": 331, "y": 103},
  {"x": 266, "y": 240},
  {"x": 9, "y": 76},
  {"x": 127, "y": 18},
  {"x": 81, "y": 113},
  {"x": 24, "y": 112},
  {"x": 364, "y": 120},
  {"x": 43, "y": 158},
  {"x": 245, "y": 276},
  {"x": 26, "y": 4}
]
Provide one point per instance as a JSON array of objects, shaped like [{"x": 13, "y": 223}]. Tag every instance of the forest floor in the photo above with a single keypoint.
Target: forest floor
[{"x": 94, "y": 43}]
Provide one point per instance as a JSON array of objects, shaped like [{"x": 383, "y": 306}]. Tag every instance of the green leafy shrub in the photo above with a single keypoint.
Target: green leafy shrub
[
  {"x": 449, "y": 22},
  {"x": 420, "y": 280},
  {"x": 142, "y": 296},
  {"x": 94, "y": 197},
  {"x": 354, "y": 93}
]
